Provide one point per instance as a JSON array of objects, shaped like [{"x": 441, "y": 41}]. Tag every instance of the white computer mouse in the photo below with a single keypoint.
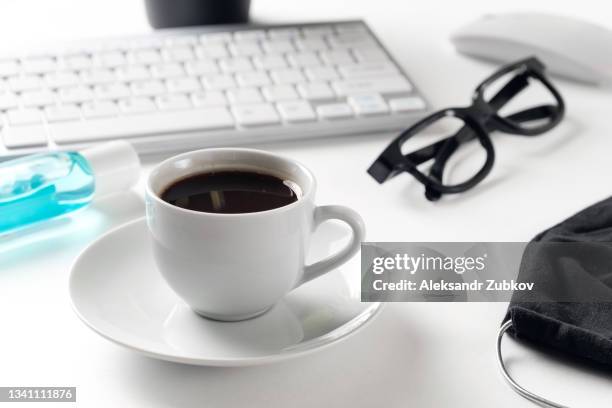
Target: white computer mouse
[{"x": 570, "y": 48}]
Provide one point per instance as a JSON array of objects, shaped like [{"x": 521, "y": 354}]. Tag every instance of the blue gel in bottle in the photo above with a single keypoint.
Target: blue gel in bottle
[{"x": 45, "y": 186}]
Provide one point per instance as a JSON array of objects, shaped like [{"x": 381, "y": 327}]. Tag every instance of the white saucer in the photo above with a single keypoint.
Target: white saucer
[{"x": 118, "y": 292}]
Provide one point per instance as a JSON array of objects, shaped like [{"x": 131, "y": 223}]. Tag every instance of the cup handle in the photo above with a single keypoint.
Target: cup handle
[{"x": 354, "y": 220}]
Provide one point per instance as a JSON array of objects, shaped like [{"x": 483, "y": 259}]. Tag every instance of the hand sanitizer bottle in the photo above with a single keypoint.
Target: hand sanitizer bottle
[{"x": 48, "y": 185}]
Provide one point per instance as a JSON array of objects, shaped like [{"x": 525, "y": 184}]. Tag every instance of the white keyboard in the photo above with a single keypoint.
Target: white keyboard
[{"x": 211, "y": 86}]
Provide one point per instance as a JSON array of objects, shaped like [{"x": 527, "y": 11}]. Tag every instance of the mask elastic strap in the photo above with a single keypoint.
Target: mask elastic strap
[{"x": 516, "y": 387}]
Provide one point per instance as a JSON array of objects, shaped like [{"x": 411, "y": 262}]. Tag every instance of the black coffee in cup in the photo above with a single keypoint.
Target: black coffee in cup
[{"x": 231, "y": 192}]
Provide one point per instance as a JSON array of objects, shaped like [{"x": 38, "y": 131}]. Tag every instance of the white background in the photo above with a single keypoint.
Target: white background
[{"x": 413, "y": 355}]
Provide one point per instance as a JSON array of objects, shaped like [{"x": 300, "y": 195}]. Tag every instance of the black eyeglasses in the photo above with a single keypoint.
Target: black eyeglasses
[{"x": 477, "y": 122}]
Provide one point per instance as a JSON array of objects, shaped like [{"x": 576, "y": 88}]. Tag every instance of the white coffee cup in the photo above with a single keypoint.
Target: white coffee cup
[{"x": 236, "y": 266}]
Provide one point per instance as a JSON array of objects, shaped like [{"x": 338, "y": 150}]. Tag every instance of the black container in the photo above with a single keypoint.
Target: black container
[{"x": 179, "y": 13}]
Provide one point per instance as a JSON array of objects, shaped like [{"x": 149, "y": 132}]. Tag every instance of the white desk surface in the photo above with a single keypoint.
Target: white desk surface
[{"x": 413, "y": 355}]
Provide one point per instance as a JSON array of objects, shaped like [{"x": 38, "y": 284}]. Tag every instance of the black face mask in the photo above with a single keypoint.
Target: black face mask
[{"x": 579, "y": 329}]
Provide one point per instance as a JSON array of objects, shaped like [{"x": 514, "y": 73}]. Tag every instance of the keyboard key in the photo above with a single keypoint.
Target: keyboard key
[
  {"x": 352, "y": 40},
  {"x": 168, "y": 70},
  {"x": 277, "y": 93},
  {"x": 112, "y": 91},
  {"x": 316, "y": 90},
  {"x": 99, "y": 109},
  {"x": 245, "y": 49},
  {"x": 178, "y": 54},
  {"x": 375, "y": 69},
  {"x": 287, "y": 76},
  {"x": 255, "y": 78},
  {"x": 372, "y": 85},
  {"x": 37, "y": 98},
  {"x": 76, "y": 61},
  {"x": 170, "y": 102},
  {"x": 238, "y": 64},
  {"x": 62, "y": 78},
  {"x": 9, "y": 67},
  {"x": 201, "y": 67},
  {"x": 97, "y": 76},
  {"x": 110, "y": 59},
  {"x": 270, "y": 61},
  {"x": 296, "y": 111},
  {"x": 146, "y": 56},
  {"x": 370, "y": 54},
  {"x": 133, "y": 72},
  {"x": 184, "y": 84},
  {"x": 141, "y": 125},
  {"x": 407, "y": 104},
  {"x": 337, "y": 57},
  {"x": 334, "y": 111},
  {"x": 321, "y": 73},
  {"x": 368, "y": 104},
  {"x": 8, "y": 100},
  {"x": 24, "y": 136},
  {"x": 63, "y": 112},
  {"x": 24, "y": 83},
  {"x": 209, "y": 98},
  {"x": 148, "y": 88},
  {"x": 23, "y": 116},
  {"x": 210, "y": 51},
  {"x": 255, "y": 114},
  {"x": 137, "y": 105},
  {"x": 75, "y": 94},
  {"x": 39, "y": 65},
  {"x": 304, "y": 59},
  {"x": 311, "y": 44},
  {"x": 244, "y": 96},
  {"x": 218, "y": 82},
  {"x": 278, "y": 46}
]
